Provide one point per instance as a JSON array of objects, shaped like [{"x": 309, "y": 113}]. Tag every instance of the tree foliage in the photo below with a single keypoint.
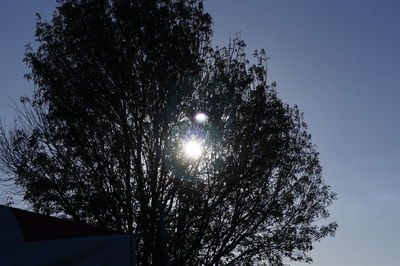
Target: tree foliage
[{"x": 101, "y": 140}]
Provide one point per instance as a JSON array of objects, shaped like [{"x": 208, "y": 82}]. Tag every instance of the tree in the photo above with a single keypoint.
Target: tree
[{"x": 103, "y": 138}]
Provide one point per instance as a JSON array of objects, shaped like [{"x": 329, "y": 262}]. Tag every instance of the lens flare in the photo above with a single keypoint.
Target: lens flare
[{"x": 201, "y": 117}]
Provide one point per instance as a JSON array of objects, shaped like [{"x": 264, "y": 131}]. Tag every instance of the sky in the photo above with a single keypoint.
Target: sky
[{"x": 338, "y": 60}]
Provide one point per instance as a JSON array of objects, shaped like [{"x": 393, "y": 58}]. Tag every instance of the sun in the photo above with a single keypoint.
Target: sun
[{"x": 192, "y": 149}]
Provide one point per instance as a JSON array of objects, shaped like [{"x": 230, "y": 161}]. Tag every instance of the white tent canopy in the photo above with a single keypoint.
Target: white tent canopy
[{"x": 28, "y": 238}]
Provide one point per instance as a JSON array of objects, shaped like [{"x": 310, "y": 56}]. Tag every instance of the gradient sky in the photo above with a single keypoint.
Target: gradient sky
[{"x": 338, "y": 60}]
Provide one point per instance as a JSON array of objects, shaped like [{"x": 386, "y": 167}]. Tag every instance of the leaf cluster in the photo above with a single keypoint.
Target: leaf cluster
[{"x": 116, "y": 86}]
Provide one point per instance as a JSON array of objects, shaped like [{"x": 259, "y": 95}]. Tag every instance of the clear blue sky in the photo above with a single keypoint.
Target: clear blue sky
[{"x": 339, "y": 61}]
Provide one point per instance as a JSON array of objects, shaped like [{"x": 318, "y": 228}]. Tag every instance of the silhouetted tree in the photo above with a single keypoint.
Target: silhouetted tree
[{"x": 102, "y": 139}]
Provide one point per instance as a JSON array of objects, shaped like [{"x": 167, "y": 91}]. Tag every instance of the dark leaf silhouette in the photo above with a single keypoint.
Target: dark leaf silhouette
[{"x": 103, "y": 138}]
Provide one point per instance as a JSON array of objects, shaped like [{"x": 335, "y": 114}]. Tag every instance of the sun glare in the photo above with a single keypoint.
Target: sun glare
[{"x": 192, "y": 149}]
